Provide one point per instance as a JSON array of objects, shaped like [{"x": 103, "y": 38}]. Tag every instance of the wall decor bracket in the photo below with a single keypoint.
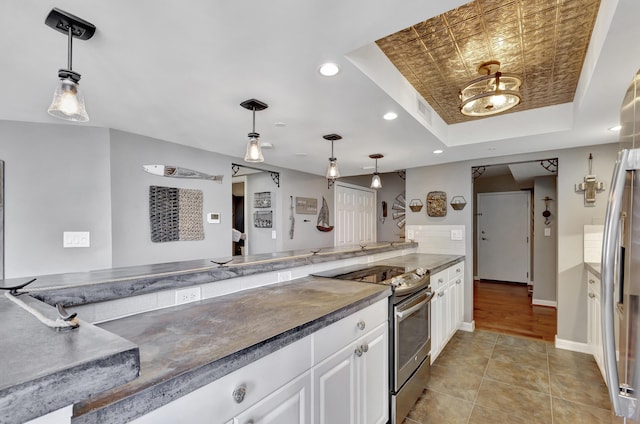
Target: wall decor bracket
[{"x": 590, "y": 186}]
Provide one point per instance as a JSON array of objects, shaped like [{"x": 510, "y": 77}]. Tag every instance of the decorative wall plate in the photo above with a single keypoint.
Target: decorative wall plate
[{"x": 437, "y": 203}]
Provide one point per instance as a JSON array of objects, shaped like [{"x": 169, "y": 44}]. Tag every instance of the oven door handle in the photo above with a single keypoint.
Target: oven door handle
[{"x": 401, "y": 314}]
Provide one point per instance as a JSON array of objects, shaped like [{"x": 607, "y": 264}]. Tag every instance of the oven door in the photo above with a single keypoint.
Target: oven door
[{"x": 412, "y": 335}]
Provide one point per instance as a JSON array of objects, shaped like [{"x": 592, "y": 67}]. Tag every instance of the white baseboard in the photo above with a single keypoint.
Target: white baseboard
[
  {"x": 574, "y": 346},
  {"x": 541, "y": 302},
  {"x": 468, "y": 326}
]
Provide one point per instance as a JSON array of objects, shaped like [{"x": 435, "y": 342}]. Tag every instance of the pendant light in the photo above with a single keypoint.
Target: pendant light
[
  {"x": 254, "y": 151},
  {"x": 332, "y": 170},
  {"x": 492, "y": 93},
  {"x": 376, "y": 182},
  {"x": 68, "y": 101}
]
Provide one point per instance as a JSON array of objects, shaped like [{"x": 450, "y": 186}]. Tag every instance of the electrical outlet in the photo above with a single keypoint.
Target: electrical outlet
[
  {"x": 284, "y": 276},
  {"x": 188, "y": 295}
]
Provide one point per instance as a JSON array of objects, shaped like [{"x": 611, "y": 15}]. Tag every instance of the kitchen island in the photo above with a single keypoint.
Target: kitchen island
[{"x": 188, "y": 346}]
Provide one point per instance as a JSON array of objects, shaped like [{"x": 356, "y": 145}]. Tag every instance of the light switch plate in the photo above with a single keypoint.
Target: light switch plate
[
  {"x": 76, "y": 239},
  {"x": 547, "y": 232},
  {"x": 456, "y": 234}
]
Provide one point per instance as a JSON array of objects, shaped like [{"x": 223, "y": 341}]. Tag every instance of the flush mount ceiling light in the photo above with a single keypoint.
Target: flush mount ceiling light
[
  {"x": 494, "y": 92},
  {"x": 437, "y": 152},
  {"x": 332, "y": 170},
  {"x": 329, "y": 69},
  {"x": 376, "y": 182},
  {"x": 254, "y": 152},
  {"x": 390, "y": 116},
  {"x": 68, "y": 101}
]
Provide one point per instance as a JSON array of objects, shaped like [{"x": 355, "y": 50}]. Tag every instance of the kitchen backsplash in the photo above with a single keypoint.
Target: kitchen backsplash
[
  {"x": 593, "y": 243},
  {"x": 438, "y": 239}
]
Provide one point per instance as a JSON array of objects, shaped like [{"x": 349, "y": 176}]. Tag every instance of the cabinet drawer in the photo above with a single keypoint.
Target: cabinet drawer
[
  {"x": 337, "y": 335},
  {"x": 439, "y": 279},
  {"x": 456, "y": 271},
  {"x": 593, "y": 284},
  {"x": 260, "y": 378}
]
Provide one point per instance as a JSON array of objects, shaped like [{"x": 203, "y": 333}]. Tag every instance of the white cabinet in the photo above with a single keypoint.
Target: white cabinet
[
  {"x": 291, "y": 404},
  {"x": 447, "y": 306},
  {"x": 351, "y": 386},
  {"x": 322, "y": 369},
  {"x": 594, "y": 331}
]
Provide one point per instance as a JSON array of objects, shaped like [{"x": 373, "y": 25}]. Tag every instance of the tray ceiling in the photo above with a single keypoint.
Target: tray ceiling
[{"x": 542, "y": 41}]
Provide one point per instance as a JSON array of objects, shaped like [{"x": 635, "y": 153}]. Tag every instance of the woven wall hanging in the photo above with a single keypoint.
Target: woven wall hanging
[{"x": 175, "y": 214}]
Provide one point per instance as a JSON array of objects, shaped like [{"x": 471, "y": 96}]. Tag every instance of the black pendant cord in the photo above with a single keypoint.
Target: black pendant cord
[
  {"x": 254, "y": 119},
  {"x": 70, "y": 48}
]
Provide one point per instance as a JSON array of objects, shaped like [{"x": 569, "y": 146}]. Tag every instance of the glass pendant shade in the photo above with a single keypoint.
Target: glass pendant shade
[
  {"x": 490, "y": 94},
  {"x": 376, "y": 182},
  {"x": 254, "y": 152},
  {"x": 68, "y": 102},
  {"x": 332, "y": 170}
]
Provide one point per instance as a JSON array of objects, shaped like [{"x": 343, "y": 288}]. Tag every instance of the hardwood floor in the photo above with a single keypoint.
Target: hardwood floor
[{"x": 506, "y": 308}]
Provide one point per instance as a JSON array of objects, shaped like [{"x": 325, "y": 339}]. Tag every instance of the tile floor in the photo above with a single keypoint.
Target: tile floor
[{"x": 487, "y": 378}]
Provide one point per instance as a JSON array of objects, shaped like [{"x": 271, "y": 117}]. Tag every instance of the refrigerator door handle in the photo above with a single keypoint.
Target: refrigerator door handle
[{"x": 622, "y": 403}]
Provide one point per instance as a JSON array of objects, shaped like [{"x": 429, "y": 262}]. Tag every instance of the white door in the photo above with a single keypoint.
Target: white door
[
  {"x": 291, "y": 404},
  {"x": 374, "y": 378},
  {"x": 355, "y": 215},
  {"x": 503, "y": 236},
  {"x": 335, "y": 388}
]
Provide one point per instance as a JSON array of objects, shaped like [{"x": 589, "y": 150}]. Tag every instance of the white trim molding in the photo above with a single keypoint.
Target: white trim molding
[
  {"x": 468, "y": 326},
  {"x": 573, "y": 346},
  {"x": 540, "y": 302}
]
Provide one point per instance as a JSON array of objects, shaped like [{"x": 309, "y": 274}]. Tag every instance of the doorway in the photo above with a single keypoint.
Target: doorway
[
  {"x": 503, "y": 236},
  {"x": 494, "y": 187}
]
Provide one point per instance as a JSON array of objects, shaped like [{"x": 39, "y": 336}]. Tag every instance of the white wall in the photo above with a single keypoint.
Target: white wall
[
  {"x": 56, "y": 180},
  {"x": 455, "y": 179}
]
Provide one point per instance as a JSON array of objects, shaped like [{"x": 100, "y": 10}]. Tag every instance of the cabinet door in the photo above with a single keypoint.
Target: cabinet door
[
  {"x": 437, "y": 328},
  {"x": 450, "y": 302},
  {"x": 334, "y": 382},
  {"x": 459, "y": 296},
  {"x": 291, "y": 404},
  {"x": 373, "y": 384}
]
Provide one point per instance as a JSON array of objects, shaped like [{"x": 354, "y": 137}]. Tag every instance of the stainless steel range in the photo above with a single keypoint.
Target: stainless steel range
[{"x": 409, "y": 327}]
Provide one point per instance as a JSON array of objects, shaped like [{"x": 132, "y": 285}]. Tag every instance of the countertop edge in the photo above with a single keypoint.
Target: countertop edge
[
  {"x": 594, "y": 268},
  {"x": 151, "y": 398}
]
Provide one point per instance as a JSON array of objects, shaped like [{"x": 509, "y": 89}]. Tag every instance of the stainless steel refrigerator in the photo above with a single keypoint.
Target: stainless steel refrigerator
[{"x": 620, "y": 272}]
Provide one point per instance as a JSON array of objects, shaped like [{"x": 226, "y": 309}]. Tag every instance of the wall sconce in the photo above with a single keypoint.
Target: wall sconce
[
  {"x": 254, "y": 151},
  {"x": 68, "y": 100},
  {"x": 376, "y": 182}
]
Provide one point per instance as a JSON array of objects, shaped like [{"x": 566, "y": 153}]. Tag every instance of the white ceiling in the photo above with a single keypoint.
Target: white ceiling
[{"x": 177, "y": 71}]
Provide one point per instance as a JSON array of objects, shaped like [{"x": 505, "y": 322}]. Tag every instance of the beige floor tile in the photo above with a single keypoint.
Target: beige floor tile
[
  {"x": 520, "y": 356},
  {"x": 517, "y": 375},
  {"x": 523, "y": 343},
  {"x": 478, "y": 335},
  {"x": 533, "y": 406},
  {"x": 578, "y": 366},
  {"x": 566, "y": 412},
  {"x": 482, "y": 415},
  {"x": 471, "y": 364},
  {"x": 454, "y": 382},
  {"x": 593, "y": 393},
  {"x": 469, "y": 347},
  {"x": 439, "y": 408}
]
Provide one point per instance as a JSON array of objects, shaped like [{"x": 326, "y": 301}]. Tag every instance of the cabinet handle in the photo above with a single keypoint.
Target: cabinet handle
[
  {"x": 458, "y": 281},
  {"x": 592, "y": 295},
  {"x": 365, "y": 348},
  {"x": 440, "y": 281},
  {"x": 361, "y": 325},
  {"x": 358, "y": 351},
  {"x": 440, "y": 294},
  {"x": 458, "y": 270},
  {"x": 238, "y": 393},
  {"x": 591, "y": 282}
]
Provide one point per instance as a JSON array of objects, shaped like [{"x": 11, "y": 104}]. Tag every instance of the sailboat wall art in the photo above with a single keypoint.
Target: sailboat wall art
[{"x": 323, "y": 218}]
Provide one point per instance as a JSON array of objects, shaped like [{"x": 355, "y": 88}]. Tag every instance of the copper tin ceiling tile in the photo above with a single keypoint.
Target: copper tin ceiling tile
[{"x": 543, "y": 41}]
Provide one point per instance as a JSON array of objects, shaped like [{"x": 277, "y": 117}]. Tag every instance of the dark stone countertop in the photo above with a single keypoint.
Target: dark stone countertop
[
  {"x": 79, "y": 288},
  {"x": 185, "y": 347},
  {"x": 594, "y": 267},
  {"x": 42, "y": 370},
  {"x": 434, "y": 263}
]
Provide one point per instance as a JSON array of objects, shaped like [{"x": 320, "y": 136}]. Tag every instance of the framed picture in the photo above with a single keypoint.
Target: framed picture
[{"x": 306, "y": 205}]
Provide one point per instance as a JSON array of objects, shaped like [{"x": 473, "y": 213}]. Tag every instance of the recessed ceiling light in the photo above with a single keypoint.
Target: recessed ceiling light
[
  {"x": 616, "y": 128},
  {"x": 390, "y": 116},
  {"x": 367, "y": 167},
  {"x": 437, "y": 152},
  {"x": 266, "y": 145},
  {"x": 301, "y": 154},
  {"x": 329, "y": 69},
  {"x": 280, "y": 124}
]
